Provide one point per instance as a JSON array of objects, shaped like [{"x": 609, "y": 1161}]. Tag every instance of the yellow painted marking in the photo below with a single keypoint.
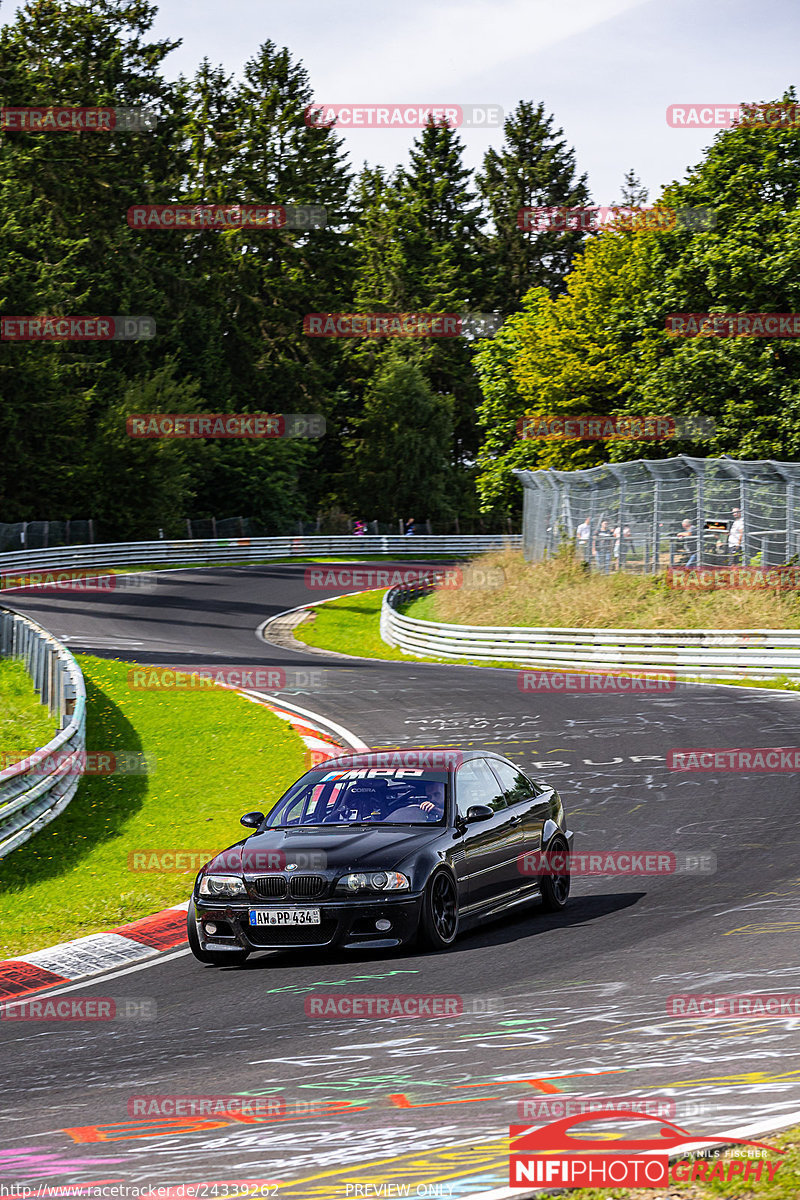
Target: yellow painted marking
[
  {"x": 745, "y": 1077},
  {"x": 767, "y": 927},
  {"x": 427, "y": 1166}
]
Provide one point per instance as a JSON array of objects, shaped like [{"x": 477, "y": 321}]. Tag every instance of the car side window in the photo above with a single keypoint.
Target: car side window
[
  {"x": 475, "y": 784},
  {"x": 516, "y": 786}
]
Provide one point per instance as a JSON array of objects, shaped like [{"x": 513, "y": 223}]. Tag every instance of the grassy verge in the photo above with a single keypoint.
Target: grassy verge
[
  {"x": 351, "y": 625},
  {"x": 25, "y": 723},
  {"x": 784, "y": 1186},
  {"x": 216, "y": 756},
  {"x": 561, "y": 592}
]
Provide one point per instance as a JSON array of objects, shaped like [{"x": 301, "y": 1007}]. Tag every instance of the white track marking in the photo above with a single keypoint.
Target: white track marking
[{"x": 93, "y": 980}]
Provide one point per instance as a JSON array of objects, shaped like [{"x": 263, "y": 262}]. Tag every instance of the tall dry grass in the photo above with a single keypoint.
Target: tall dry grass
[{"x": 562, "y": 592}]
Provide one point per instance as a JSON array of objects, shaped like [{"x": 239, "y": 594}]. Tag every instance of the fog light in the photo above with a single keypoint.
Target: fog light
[
  {"x": 210, "y": 927},
  {"x": 383, "y": 925}
]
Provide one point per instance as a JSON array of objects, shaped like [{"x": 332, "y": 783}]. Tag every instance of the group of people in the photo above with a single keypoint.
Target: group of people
[
  {"x": 360, "y": 527},
  {"x": 606, "y": 545},
  {"x": 729, "y": 554}
]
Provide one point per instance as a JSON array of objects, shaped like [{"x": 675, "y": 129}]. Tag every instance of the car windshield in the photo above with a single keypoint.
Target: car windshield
[{"x": 363, "y": 797}]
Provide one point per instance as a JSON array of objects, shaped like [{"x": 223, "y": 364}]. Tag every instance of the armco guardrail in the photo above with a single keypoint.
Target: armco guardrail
[
  {"x": 689, "y": 653},
  {"x": 252, "y": 549},
  {"x": 41, "y": 786}
]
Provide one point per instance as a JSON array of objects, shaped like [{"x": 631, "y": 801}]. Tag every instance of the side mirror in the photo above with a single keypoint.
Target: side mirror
[
  {"x": 252, "y": 820},
  {"x": 479, "y": 812}
]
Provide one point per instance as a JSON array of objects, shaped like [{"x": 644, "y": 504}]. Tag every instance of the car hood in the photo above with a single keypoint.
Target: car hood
[{"x": 340, "y": 848}]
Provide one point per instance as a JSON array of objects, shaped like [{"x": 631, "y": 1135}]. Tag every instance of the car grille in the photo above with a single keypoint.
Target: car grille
[
  {"x": 307, "y": 887},
  {"x": 269, "y": 885},
  {"x": 299, "y": 887},
  {"x": 293, "y": 935}
]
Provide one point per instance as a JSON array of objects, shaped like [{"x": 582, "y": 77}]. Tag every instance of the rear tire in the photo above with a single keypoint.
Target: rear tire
[
  {"x": 212, "y": 958},
  {"x": 438, "y": 925},
  {"x": 555, "y": 888}
]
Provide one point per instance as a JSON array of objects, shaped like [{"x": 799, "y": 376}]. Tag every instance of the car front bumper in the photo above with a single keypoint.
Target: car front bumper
[{"x": 349, "y": 924}]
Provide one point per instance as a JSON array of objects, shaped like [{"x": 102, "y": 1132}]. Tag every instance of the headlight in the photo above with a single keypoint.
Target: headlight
[
  {"x": 224, "y": 886},
  {"x": 376, "y": 881}
]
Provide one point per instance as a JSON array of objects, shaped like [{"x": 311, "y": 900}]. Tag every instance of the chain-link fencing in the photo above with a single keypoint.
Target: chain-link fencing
[{"x": 651, "y": 514}]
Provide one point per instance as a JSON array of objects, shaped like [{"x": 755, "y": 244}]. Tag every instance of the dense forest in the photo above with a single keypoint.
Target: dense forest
[{"x": 423, "y": 426}]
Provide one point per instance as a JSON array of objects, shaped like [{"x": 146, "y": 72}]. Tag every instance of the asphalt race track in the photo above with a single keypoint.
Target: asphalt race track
[{"x": 569, "y": 1004}]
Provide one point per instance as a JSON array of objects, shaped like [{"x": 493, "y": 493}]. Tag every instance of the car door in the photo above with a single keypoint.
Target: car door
[
  {"x": 530, "y": 801},
  {"x": 493, "y": 846}
]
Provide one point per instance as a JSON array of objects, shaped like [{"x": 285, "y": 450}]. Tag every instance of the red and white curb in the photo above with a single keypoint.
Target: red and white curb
[
  {"x": 69, "y": 961},
  {"x": 145, "y": 938}
]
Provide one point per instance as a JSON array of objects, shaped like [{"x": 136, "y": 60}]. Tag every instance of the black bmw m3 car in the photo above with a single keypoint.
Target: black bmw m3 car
[{"x": 374, "y": 850}]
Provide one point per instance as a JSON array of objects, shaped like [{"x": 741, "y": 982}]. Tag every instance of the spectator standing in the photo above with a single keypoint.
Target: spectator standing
[
  {"x": 623, "y": 544},
  {"x": 410, "y": 527},
  {"x": 583, "y": 536},
  {"x": 736, "y": 538},
  {"x": 688, "y": 539},
  {"x": 604, "y": 544}
]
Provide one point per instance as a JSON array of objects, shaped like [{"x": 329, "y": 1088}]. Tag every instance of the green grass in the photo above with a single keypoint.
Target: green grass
[
  {"x": 217, "y": 756},
  {"x": 351, "y": 625},
  {"x": 25, "y": 723},
  {"x": 785, "y": 1184}
]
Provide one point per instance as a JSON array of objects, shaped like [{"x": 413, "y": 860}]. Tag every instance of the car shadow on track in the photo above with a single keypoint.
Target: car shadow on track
[{"x": 529, "y": 922}]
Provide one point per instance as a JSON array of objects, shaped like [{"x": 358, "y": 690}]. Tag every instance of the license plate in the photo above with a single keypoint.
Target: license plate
[{"x": 285, "y": 916}]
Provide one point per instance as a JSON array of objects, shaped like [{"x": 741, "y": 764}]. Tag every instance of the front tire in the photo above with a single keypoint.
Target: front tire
[
  {"x": 212, "y": 958},
  {"x": 555, "y": 888},
  {"x": 438, "y": 926}
]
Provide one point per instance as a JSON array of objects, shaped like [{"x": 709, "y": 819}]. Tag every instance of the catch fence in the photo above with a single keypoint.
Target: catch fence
[{"x": 645, "y": 504}]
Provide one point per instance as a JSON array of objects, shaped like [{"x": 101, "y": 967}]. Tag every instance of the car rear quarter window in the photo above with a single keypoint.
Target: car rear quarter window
[
  {"x": 476, "y": 784},
  {"x": 516, "y": 785}
]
